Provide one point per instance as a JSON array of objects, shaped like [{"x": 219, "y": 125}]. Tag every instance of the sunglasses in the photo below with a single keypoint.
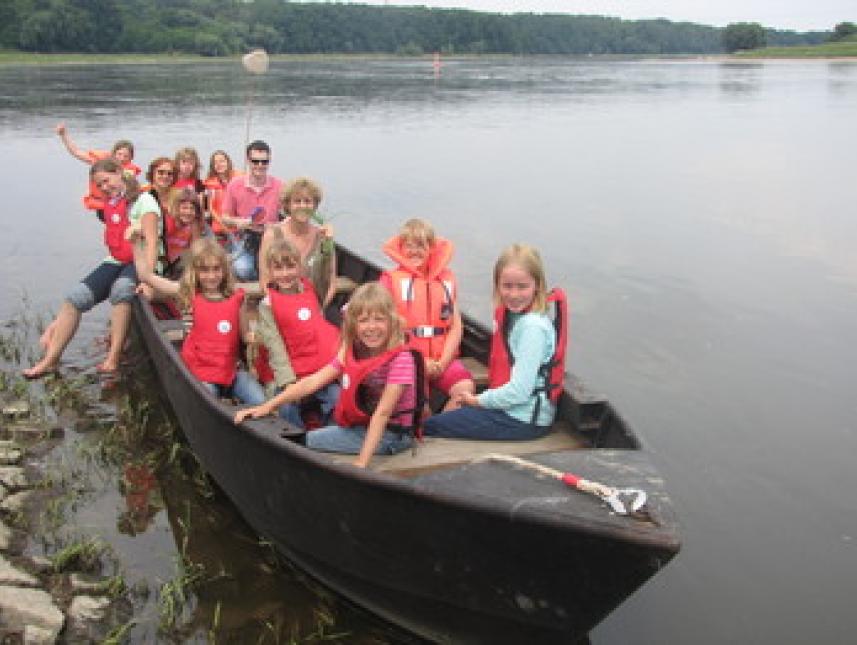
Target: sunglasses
[{"x": 260, "y": 162}]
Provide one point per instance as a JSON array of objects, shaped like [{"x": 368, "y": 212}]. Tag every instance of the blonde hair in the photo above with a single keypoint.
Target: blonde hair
[
  {"x": 530, "y": 261},
  {"x": 282, "y": 253},
  {"x": 202, "y": 250},
  {"x": 187, "y": 153},
  {"x": 417, "y": 231},
  {"x": 300, "y": 184},
  {"x": 371, "y": 298}
]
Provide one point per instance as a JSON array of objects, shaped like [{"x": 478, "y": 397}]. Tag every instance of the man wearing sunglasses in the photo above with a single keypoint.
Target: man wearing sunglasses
[{"x": 251, "y": 202}]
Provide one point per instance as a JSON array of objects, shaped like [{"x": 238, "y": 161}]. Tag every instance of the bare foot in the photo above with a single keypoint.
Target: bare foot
[
  {"x": 39, "y": 370},
  {"x": 108, "y": 366}
]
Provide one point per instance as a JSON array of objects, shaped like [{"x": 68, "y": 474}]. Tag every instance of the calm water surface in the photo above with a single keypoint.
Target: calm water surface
[{"x": 700, "y": 215}]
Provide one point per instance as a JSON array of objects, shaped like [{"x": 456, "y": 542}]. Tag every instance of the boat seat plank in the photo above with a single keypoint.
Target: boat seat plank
[{"x": 434, "y": 452}]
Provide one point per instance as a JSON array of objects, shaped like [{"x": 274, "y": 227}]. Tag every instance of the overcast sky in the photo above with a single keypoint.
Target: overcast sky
[{"x": 800, "y": 15}]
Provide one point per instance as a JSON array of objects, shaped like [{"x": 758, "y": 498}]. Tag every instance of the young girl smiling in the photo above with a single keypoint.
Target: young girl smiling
[
  {"x": 379, "y": 408},
  {"x": 211, "y": 348},
  {"x": 527, "y": 359}
]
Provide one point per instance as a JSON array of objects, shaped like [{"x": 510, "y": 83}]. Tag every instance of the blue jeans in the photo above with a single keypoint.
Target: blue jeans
[
  {"x": 243, "y": 261},
  {"x": 350, "y": 440},
  {"x": 108, "y": 280},
  {"x": 481, "y": 423},
  {"x": 244, "y": 388},
  {"x": 328, "y": 396}
]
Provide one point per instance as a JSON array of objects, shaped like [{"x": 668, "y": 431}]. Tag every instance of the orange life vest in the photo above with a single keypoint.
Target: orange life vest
[{"x": 425, "y": 298}]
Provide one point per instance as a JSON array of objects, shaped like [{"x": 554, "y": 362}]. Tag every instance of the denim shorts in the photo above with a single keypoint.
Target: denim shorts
[{"x": 109, "y": 280}]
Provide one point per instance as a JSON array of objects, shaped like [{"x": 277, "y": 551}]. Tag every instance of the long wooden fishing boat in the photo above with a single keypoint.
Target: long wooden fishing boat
[{"x": 444, "y": 542}]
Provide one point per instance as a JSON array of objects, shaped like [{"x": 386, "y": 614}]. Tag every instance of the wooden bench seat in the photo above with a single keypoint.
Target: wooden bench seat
[{"x": 435, "y": 453}]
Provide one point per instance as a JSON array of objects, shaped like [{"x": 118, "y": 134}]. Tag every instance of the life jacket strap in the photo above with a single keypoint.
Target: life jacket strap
[{"x": 426, "y": 331}]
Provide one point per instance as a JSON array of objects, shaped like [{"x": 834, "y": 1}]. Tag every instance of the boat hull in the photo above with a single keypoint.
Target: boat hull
[{"x": 476, "y": 554}]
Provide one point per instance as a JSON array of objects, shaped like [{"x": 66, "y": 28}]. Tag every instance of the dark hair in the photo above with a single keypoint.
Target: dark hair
[
  {"x": 258, "y": 145},
  {"x": 159, "y": 161}
]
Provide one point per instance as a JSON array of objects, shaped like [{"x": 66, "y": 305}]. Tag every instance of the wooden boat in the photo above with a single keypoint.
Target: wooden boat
[{"x": 452, "y": 550}]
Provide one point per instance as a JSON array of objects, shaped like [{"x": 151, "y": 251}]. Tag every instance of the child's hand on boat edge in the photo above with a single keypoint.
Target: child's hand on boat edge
[{"x": 256, "y": 412}]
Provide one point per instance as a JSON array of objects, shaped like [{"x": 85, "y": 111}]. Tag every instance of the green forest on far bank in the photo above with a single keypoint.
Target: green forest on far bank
[{"x": 226, "y": 27}]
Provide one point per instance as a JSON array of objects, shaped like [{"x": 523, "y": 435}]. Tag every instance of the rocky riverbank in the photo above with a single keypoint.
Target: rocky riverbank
[{"x": 46, "y": 600}]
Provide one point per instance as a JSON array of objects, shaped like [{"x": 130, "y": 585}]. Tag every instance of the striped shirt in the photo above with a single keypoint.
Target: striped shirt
[{"x": 400, "y": 370}]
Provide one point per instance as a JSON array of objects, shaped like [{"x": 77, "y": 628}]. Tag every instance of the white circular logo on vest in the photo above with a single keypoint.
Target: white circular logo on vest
[
  {"x": 345, "y": 381},
  {"x": 224, "y": 326},
  {"x": 115, "y": 217},
  {"x": 304, "y": 313},
  {"x": 495, "y": 326}
]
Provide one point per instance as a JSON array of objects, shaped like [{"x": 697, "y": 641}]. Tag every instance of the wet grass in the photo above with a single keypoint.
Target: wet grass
[{"x": 81, "y": 555}]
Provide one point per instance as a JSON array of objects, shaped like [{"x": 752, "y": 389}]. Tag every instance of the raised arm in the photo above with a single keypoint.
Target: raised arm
[{"x": 70, "y": 145}]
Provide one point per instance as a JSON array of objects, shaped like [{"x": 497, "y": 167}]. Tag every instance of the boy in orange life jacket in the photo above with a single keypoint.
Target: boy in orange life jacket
[
  {"x": 424, "y": 291},
  {"x": 294, "y": 338}
]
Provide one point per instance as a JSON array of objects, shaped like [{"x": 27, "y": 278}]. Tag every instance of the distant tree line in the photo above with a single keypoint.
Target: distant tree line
[{"x": 224, "y": 27}]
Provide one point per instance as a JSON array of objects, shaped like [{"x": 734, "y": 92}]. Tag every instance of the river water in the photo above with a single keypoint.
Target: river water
[{"x": 699, "y": 213}]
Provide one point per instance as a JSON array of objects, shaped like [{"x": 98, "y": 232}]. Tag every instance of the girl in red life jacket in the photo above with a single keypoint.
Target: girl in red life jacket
[
  {"x": 122, "y": 151},
  {"x": 424, "y": 290},
  {"x": 293, "y": 338},
  {"x": 182, "y": 225},
  {"x": 211, "y": 350},
  {"x": 220, "y": 173},
  {"x": 523, "y": 361},
  {"x": 381, "y": 389},
  {"x": 188, "y": 168},
  {"x": 114, "y": 278}
]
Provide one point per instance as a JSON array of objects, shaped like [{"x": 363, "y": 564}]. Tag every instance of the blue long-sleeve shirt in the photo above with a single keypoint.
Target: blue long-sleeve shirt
[{"x": 532, "y": 342}]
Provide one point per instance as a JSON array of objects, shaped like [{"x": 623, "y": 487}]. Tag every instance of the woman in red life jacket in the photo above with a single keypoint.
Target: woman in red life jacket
[
  {"x": 424, "y": 290},
  {"x": 527, "y": 356},
  {"x": 300, "y": 200},
  {"x": 381, "y": 400},
  {"x": 293, "y": 338},
  {"x": 220, "y": 173},
  {"x": 211, "y": 349},
  {"x": 122, "y": 151},
  {"x": 114, "y": 278},
  {"x": 182, "y": 226}
]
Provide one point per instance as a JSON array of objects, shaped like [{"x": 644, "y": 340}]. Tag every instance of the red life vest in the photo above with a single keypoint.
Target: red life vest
[
  {"x": 177, "y": 238},
  {"x": 426, "y": 298},
  {"x": 352, "y": 411},
  {"x": 500, "y": 361},
  {"x": 116, "y": 222},
  {"x": 310, "y": 340},
  {"x": 210, "y": 350}
]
